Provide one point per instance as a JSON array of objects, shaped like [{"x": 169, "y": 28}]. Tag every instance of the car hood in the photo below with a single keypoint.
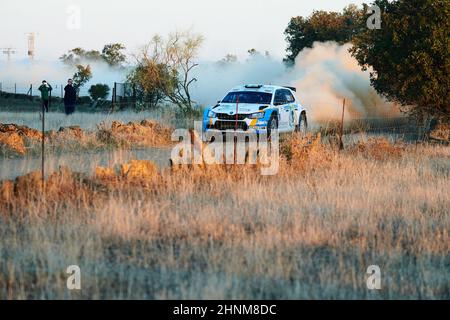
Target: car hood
[{"x": 243, "y": 108}]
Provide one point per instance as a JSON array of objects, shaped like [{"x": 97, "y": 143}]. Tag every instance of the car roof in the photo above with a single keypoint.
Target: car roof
[{"x": 259, "y": 88}]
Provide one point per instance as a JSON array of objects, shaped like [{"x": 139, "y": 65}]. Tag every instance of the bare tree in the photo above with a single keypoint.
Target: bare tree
[{"x": 166, "y": 65}]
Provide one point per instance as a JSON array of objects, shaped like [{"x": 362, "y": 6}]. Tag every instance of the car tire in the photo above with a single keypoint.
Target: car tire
[
  {"x": 302, "y": 126},
  {"x": 271, "y": 125}
]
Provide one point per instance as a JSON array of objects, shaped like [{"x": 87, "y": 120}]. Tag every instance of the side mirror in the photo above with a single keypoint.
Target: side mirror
[{"x": 218, "y": 101}]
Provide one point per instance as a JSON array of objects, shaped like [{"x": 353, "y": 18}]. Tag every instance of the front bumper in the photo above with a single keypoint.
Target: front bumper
[
  {"x": 243, "y": 124},
  {"x": 215, "y": 126}
]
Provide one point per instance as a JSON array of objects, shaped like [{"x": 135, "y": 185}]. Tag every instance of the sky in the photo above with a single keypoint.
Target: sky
[{"x": 228, "y": 26}]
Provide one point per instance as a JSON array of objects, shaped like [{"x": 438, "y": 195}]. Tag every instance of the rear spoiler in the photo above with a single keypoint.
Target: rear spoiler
[{"x": 292, "y": 88}]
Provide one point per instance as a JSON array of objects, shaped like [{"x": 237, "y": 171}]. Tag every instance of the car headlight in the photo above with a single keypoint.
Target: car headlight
[
  {"x": 211, "y": 114},
  {"x": 256, "y": 115}
]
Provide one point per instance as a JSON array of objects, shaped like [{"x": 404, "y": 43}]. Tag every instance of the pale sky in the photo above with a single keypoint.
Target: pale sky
[{"x": 228, "y": 26}]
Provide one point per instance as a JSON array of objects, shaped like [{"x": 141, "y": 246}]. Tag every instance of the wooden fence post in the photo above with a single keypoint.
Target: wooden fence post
[{"x": 341, "y": 143}]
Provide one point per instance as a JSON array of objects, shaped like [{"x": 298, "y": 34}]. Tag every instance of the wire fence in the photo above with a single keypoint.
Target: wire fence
[
  {"x": 20, "y": 89},
  {"x": 122, "y": 96},
  {"x": 396, "y": 128}
]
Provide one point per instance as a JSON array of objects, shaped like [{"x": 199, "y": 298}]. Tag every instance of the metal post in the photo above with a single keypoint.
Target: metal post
[
  {"x": 62, "y": 95},
  {"x": 341, "y": 144},
  {"x": 113, "y": 97},
  {"x": 115, "y": 92},
  {"x": 134, "y": 96},
  {"x": 43, "y": 148},
  {"x": 235, "y": 128}
]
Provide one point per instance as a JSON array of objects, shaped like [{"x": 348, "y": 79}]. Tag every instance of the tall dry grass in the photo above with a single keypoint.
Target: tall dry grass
[
  {"x": 18, "y": 141},
  {"x": 219, "y": 232}
]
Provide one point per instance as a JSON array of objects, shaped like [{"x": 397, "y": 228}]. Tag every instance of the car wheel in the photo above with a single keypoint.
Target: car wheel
[
  {"x": 302, "y": 126},
  {"x": 272, "y": 125}
]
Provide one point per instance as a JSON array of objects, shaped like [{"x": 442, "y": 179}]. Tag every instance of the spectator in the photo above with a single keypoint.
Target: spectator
[
  {"x": 70, "y": 97},
  {"x": 45, "y": 89}
]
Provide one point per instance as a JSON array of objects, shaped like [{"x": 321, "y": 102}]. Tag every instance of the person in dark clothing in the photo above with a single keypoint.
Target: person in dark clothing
[
  {"x": 45, "y": 90},
  {"x": 70, "y": 97}
]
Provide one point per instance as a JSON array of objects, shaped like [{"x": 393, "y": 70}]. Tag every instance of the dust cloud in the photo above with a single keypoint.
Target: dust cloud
[{"x": 323, "y": 75}]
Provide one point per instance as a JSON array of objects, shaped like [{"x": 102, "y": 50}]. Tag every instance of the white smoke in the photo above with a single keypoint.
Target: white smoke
[{"x": 26, "y": 72}]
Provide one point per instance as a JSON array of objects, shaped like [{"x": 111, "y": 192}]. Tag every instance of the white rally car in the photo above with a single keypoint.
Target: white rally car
[{"x": 259, "y": 108}]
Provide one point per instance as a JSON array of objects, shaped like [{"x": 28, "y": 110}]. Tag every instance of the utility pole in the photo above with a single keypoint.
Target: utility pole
[{"x": 8, "y": 52}]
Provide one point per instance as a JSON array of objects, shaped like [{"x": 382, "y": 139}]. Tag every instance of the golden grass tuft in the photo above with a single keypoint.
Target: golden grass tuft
[
  {"x": 306, "y": 151},
  {"x": 379, "y": 149},
  {"x": 105, "y": 173},
  {"x": 12, "y": 143},
  {"x": 22, "y": 131},
  {"x": 441, "y": 132},
  {"x": 138, "y": 169},
  {"x": 133, "y": 170},
  {"x": 147, "y": 133},
  {"x": 13, "y": 138},
  {"x": 6, "y": 191}
]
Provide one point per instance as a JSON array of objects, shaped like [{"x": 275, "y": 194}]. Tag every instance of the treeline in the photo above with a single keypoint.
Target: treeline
[
  {"x": 322, "y": 26},
  {"x": 407, "y": 56}
]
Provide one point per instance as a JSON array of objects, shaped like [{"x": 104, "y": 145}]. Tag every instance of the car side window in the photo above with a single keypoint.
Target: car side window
[
  {"x": 280, "y": 98},
  {"x": 289, "y": 97}
]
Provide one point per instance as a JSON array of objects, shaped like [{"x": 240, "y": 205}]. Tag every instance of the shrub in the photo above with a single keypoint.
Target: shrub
[{"x": 99, "y": 91}]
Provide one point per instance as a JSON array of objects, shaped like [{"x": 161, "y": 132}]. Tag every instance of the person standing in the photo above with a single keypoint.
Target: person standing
[
  {"x": 45, "y": 89},
  {"x": 70, "y": 97}
]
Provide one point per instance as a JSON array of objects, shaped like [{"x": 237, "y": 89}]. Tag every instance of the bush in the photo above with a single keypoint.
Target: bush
[
  {"x": 99, "y": 91},
  {"x": 84, "y": 100}
]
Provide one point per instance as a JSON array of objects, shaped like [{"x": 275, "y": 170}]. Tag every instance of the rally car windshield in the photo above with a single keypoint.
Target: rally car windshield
[{"x": 248, "y": 97}]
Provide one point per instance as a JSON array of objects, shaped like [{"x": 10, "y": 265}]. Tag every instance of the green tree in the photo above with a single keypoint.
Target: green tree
[
  {"x": 82, "y": 76},
  {"x": 409, "y": 55},
  {"x": 149, "y": 80},
  {"x": 113, "y": 55},
  {"x": 78, "y": 55},
  {"x": 99, "y": 91},
  {"x": 322, "y": 26}
]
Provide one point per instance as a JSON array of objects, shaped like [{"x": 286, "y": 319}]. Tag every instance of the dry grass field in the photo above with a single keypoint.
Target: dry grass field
[
  {"x": 18, "y": 141},
  {"x": 227, "y": 232}
]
